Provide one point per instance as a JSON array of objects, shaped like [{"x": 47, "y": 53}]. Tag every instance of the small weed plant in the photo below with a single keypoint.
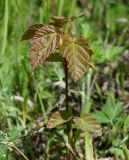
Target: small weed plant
[{"x": 55, "y": 42}]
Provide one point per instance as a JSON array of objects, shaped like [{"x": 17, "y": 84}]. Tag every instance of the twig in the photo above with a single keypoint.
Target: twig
[{"x": 69, "y": 111}]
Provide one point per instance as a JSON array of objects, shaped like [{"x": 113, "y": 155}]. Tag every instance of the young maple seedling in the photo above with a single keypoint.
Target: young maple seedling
[{"x": 51, "y": 43}]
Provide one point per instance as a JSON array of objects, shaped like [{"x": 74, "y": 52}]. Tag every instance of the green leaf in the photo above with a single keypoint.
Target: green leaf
[
  {"x": 31, "y": 31},
  {"x": 102, "y": 117},
  {"x": 4, "y": 147},
  {"x": 43, "y": 44},
  {"x": 112, "y": 108},
  {"x": 126, "y": 126},
  {"x": 55, "y": 57},
  {"x": 3, "y": 151},
  {"x": 117, "y": 151},
  {"x": 3, "y": 136},
  {"x": 87, "y": 122},
  {"x": 58, "y": 118},
  {"x": 125, "y": 151},
  {"x": 77, "y": 53}
]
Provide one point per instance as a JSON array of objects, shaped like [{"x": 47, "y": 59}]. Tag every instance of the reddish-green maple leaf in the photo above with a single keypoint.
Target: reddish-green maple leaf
[
  {"x": 30, "y": 32},
  {"x": 77, "y": 53},
  {"x": 43, "y": 44}
]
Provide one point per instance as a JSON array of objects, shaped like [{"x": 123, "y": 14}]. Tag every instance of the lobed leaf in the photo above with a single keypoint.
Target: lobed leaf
[
  {"x": 58, "y": 118},
  {"x": 88, "y": 122},
  {"x": 59, "y": 20},
  {"x": 30, "y": 32},
  {"x": 43, "y": 44},
  {"x": 77, "y": 53}
]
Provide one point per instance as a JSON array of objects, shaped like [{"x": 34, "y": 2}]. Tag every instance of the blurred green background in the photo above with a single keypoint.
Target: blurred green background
[{"x": 27, "y": 97}]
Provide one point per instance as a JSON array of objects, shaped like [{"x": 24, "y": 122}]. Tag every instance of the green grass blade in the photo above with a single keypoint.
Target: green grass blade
[
  {"x": 60, "y": 7},
  {"x": 5, "y": 28},
  {"x": 88, "y": 147}
]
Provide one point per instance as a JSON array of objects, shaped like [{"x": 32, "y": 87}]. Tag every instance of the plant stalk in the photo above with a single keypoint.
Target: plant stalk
[
  {"x": 60, "y": 7},
  {"x": 69, "y": 110}
]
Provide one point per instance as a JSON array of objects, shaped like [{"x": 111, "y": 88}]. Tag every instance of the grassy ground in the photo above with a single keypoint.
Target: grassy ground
[{"x": 27, "y": 98}]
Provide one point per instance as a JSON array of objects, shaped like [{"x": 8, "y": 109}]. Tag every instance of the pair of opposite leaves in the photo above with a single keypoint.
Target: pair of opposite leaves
[{"x": 47, "y": 38}]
